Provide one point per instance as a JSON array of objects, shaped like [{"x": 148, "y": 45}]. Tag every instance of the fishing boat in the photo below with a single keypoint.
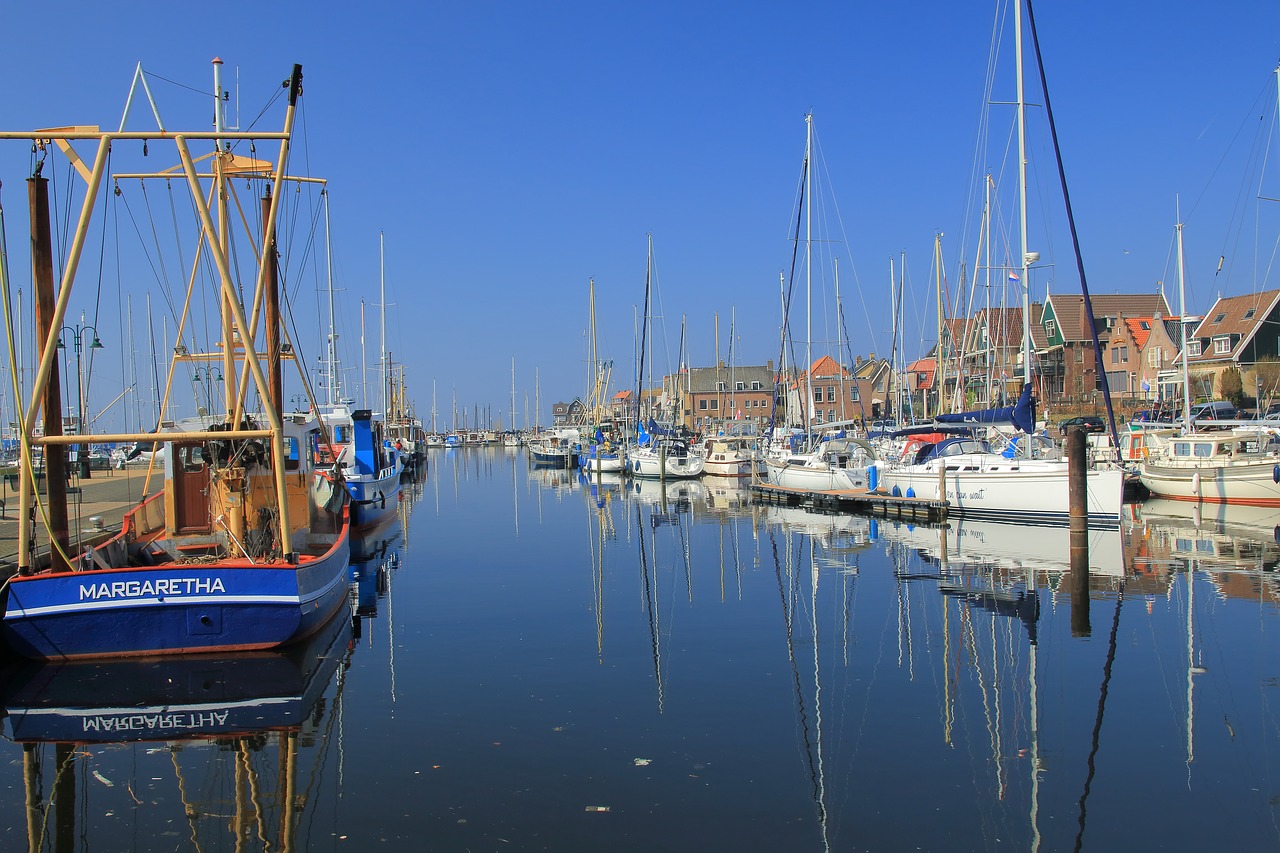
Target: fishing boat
[
  {"x": 370, "y": 469},
  {"x": 246, "y": 545}
]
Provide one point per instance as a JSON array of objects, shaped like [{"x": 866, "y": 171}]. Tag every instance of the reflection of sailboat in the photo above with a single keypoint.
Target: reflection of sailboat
[
  {"x": 234, "y": 704},
  {"x": 1011, "y": 547}
]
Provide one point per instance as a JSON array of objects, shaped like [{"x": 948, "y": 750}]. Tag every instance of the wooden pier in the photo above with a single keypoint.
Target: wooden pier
[{"x": 861, "y": 501}]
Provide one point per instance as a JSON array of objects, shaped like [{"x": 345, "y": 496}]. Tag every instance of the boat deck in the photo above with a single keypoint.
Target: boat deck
[{"x": 863, "y": 501}]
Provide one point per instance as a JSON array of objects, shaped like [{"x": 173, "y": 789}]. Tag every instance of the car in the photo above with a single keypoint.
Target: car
[
  {"x": 1089, "y": 423},
  {"x": 1216, "y": 410}
]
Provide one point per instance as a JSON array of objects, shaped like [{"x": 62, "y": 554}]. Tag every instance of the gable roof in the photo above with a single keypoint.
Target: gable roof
[
  {"x": 1073, "y": 325},
  {"x": 1238, "y": 317}
]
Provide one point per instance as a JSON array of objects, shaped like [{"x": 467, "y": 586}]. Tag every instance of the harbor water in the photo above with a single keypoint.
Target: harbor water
[{"x": 537, "y": 661}]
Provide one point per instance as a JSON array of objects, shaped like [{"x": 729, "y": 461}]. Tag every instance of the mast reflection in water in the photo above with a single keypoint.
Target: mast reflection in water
[{"x": 547, "y": 661}]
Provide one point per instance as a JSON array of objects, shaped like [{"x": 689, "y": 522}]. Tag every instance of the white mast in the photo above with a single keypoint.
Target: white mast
[
  {"x": 382, "y": 299},
  {"x": 808, "y": 265},
  {"x": 331, "y": 356},
  {"x": 1183, "y": 320},
  {"x": 1027, "y": 257},
  {"x": 513, "y": 393},
  {"x": 364, "y": 363}
]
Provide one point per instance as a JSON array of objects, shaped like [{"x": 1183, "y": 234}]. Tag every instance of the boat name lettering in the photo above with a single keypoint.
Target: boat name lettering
[
  {"x": 974, "y": 496},
  {"x": 150, "y": 588},
  {"x": 155, "y": 722}
]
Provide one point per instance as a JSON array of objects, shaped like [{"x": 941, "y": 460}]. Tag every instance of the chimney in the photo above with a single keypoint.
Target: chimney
[
  {"x": 871, "y": 357},
  {"x": 769, "y": 365},
  {"x": 857, "y": 361}
]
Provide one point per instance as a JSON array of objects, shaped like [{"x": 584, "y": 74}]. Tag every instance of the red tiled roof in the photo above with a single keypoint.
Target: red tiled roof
[{"x": 1140, "y": 334}]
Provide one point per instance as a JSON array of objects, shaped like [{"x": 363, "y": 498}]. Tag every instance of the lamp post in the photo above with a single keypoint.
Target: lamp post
[
  {"x": 206, "y": 376},
  {"x": 78, "y": 331}
]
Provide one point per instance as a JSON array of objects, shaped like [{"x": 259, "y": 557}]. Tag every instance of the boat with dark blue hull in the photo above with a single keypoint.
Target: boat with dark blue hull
[
  {"x": 246, "y": 544},
  {"x": 370, "y": 467}
]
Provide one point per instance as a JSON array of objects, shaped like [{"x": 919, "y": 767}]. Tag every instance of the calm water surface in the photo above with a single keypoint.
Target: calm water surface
[{"x": 537, "y": 663}]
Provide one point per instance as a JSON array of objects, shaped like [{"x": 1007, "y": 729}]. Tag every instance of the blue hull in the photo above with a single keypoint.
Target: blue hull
[
  {"x": 373, "y": 501},
  {"x": 172, "y": 609}
]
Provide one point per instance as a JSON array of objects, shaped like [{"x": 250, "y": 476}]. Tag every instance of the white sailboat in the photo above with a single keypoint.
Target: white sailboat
[{"x": 980, "y": 483}]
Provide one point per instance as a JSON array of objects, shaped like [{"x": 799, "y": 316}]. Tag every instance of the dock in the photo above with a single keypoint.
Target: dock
[{"x": 861, "y": 501}]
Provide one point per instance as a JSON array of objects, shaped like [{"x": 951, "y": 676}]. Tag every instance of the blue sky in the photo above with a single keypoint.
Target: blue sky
[{"x": 512, "y": 151}]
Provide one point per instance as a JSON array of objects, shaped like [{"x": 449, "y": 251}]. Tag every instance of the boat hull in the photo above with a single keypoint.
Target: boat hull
[
  {"x": 820, "y": 478},
  {"x": 373, "y": 501},
  {"x": 646, "y": 463},
  {"x": 1252, "y": 483},
  {"x": 172, "y": 608},
  {"x": 1011, "y": 493}
]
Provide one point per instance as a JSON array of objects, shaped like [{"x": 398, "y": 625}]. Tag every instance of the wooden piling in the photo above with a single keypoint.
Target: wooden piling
[{"x": 1078, "y": 505}]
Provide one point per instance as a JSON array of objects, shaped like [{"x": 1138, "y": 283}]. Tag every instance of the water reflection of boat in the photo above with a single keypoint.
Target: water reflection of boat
[
  {"x": 1218, "y": 536},
  {"x": 1009, "y": 546},
  {"x": 727, "y": 492},
  {"x": 172, "y": 698},
  {"x": 679, "y": 495},
  {"x": 374, "y": 556},
  {"x": 239, "y": 706}
]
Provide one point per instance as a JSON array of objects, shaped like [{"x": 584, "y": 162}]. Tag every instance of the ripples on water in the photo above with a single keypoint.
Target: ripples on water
[{"x": 532, "y": 661}]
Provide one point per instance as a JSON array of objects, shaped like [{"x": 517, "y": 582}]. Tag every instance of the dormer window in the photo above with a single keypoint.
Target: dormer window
[
  {"x": 1193, "y": 348},
  {"x": 719, "y": 386},
  {"x": 740, "y": 386},
  {"x": 1222, "y": 345}
]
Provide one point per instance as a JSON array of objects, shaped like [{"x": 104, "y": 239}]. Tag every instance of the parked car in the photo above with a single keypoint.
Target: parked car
[
  {"x": 1089, "y": 423},
  {"x": 1216, "y": 410}
]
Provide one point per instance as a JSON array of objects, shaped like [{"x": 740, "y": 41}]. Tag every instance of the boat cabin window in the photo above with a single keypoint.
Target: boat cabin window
[
  {"x": 292, "y": 453},
  {"x": 341, "y": 433},
  {"x": 191, "y": 457},
  {"x": 1200, "y": 449}
]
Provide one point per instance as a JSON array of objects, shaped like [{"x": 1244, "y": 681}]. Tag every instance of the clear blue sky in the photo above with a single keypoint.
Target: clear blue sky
[{"x": 511, "y": 151}]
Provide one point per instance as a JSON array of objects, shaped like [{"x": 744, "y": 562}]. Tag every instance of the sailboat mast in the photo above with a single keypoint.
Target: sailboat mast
[
  {"x": 382, "y": 306},
  {"x": 1022, "y": 204},
  {"x": 808, "y": 266},
  {"x": 1182, "y": 310},
  {"x": 331, "y": 354},
  {"x": 513, "y": 393},
  {"x": 940, "y": 365}
]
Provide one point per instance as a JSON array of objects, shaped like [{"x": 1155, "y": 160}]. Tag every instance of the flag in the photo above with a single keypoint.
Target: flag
[
  {"x": 1146, "y": 386},
  {"x": 1013, "y": 276}
]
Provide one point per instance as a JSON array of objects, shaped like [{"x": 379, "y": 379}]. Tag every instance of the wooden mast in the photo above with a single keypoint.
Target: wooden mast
[{"x": 55, "y": 459}]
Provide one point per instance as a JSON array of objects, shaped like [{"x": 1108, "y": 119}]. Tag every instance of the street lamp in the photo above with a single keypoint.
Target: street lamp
[
  {"x": 210, "y": 375},
  {"x": 78, "y": 331}
]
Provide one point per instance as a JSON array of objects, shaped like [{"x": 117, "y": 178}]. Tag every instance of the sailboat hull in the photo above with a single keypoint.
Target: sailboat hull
[{"x": 1020, "y": 492}]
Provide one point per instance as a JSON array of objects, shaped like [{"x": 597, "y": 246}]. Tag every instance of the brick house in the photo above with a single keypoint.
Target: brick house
[{"x": 1068, "y": 362}]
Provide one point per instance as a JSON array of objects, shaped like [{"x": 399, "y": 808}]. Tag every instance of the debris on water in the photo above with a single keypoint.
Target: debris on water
[
  {"x": 642, "y": 762},
  {"x": 598, "y": 808},
  {"x": 103, "y": 779}
]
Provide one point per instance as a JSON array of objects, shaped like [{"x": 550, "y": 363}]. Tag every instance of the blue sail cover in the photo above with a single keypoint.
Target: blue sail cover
[{"x": 1022, "y": 414}]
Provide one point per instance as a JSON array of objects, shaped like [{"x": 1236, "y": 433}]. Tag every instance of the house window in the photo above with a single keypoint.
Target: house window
[
  {"x": 831, "y": 393},
  {"x": 1193, "y": 348},
  {"x": 1146, "y": 326},
  {"x": 831, "y": 414},
  {"x": 1155, "y": 358},
  {"x": 740, "y": 386},
  {"x": 1221, "y": 346},
  {"x": 817, "y": 395},
  {"x": 853, "y": 393},
  {"x": 1248, "y": 315},
  {"x": 1115, "y": 355},
  {"x": 1124, "y": 354},
  {"x": 715, "y": 405},
  {"x": 1219, "y": 318},
  {"x": 702, "y": 405},
  {"x": 1079, "y": 355},
  {"x": 719, "y": 386},
  {"x": 1050, "y": 327},
  {"x": 817, "y": 417},
  {"x": 755, "y": 385}
]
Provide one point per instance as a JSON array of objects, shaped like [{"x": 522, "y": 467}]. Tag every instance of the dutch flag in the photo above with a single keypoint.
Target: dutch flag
[{"x": 1013, "y": 276}]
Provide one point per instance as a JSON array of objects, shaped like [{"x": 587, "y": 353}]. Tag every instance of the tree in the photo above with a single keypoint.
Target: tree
[{"x": 1232, "y": 388}]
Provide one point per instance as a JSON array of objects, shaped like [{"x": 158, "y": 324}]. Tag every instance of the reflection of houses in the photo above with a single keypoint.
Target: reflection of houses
[
  {"x": 1069, "y": 363},
  {"x": 1237, "y": 333},
  {"x": 564, "y": 414}
]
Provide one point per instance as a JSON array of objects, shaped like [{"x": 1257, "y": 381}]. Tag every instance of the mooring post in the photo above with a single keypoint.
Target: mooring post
[{"x": 1078, "y": 502}]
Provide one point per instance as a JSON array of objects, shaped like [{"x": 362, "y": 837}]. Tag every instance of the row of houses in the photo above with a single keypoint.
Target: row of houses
[{"x": 1233, "y": 351}]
